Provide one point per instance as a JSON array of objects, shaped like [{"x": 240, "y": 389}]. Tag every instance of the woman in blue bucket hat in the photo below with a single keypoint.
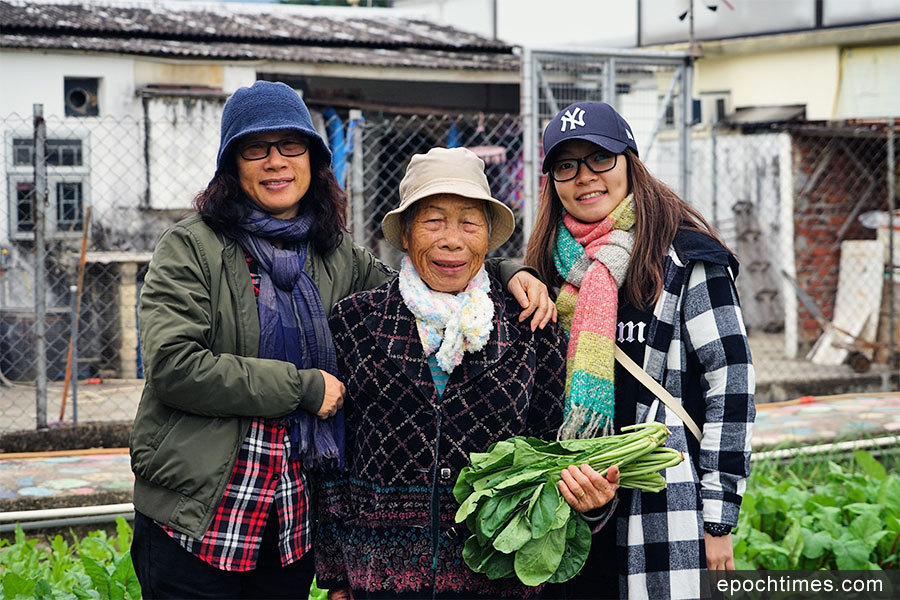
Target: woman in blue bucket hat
[
  {"x": 636, "y": 267},
  {"x": 241, "y": 406}
]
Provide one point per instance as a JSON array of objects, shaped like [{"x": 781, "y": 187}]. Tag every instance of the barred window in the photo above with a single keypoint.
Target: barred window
[
  {"x": 67, "y": 186},
  {"x": 25, "y": 206},
  {"x": 60, "y": 152},
  {"x": 68, "y": 206}
]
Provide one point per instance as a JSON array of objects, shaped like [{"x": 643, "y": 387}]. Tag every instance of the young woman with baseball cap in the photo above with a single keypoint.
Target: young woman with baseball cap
[{"x": 635, "y": 265}]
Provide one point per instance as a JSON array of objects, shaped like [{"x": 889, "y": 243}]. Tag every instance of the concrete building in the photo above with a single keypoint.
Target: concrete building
[
  {"x": 132, "y": 94},
  {"x": 792, "y": 100}
]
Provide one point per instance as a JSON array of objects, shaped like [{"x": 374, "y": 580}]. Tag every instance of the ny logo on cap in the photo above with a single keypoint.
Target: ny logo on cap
[{"x": 572, "y": 119}]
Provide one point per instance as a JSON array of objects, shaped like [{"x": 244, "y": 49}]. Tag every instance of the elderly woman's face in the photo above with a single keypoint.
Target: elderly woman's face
[
  {"x": 275, "y": 183},
  {"x": 447, "y": 241}
]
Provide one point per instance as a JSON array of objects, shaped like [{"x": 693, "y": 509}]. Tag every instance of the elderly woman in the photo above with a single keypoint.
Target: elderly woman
[
  {"x": 436, "y": 366},
  {"x": 241, "y": 399}
]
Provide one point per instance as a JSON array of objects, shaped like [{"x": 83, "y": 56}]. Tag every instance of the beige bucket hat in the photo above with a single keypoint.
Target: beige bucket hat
[{"x": 448, "y": 171}]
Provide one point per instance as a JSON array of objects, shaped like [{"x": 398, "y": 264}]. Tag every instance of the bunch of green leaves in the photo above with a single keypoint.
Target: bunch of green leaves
[
  {"x": 847, "y": 517},
  {"x": 94, "y": 567},
  {"x": 315, "y": 593},
  {"x": 521, "y": 525}
]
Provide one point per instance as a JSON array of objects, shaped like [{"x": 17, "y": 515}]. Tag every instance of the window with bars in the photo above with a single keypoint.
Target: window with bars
[
  {"x": 67, "y": 186},
  {"x": 60, "y": 152}
]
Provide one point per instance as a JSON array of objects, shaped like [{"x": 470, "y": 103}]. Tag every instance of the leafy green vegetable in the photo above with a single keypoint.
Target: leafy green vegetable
[
  {"x": 538, "y": 559},
  {"x": 577, "y": 548},
  {"x": 94, "y": 567},
  {"x": 820, "y": 515},
  {"x": 543, "y": 513},
  {"x": 515, "y": 535},
  {"x": 521, "y": 524}
]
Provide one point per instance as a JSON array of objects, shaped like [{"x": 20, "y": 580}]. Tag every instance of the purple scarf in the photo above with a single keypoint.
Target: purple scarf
[{"x": 294, "y": 327}]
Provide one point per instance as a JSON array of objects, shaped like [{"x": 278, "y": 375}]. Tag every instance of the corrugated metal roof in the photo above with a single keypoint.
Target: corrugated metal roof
[
  {"x": 278, "y": 32},
  {"x": 372, "y": 57}
]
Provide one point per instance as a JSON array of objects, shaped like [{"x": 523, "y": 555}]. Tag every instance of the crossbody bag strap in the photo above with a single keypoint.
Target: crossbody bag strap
[{"x": 657, "y": 390}]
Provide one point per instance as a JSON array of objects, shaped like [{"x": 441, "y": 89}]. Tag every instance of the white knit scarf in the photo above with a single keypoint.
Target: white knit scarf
[{"x": 449, "y": 324}]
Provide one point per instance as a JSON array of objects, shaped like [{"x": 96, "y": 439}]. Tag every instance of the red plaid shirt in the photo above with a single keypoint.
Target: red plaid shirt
[{"x": 263, "y": 473}]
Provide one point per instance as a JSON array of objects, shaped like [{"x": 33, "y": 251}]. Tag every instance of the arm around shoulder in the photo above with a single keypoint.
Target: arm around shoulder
[{"x": 368, "y": 270}]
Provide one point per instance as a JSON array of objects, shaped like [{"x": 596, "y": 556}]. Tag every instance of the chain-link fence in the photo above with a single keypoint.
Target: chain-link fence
[
  {"x": 116, "y": 184},
  {"x": 381, "y": 145},
  {"x": 804, "y": 207},
  {"x": 646, "y": 88},
  {"x": 98, "y": 177}
]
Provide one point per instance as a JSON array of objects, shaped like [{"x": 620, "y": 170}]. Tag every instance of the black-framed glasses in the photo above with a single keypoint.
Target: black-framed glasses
[
  {"x": 597, "y": 162},
  {"x": 287, "y": 147}
]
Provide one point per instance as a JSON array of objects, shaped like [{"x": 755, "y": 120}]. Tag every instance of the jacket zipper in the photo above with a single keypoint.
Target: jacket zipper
[
  {"x": 435, "y": 501},
  {"x": 238, "y": 338}
]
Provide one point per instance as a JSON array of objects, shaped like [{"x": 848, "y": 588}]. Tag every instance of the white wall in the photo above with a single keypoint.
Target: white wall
[
  {"x": 660, "y": 24},
  {"x": 115, "y": 173},
  {"x": 801, "y": 76},
  {"x": 842, "y": 12},
  {"x": 469, "y": 15},
  {"x": 539, "y": 23},
  {"x": 183, "y": 142},
  {"x": 39, "y": 77},
  {"x": 748, "y": 168},
  {"x": 870, "y": 84}
]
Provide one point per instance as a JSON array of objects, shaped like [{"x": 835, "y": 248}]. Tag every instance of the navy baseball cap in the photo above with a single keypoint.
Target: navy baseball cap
[{"x": 596, "y": 122}]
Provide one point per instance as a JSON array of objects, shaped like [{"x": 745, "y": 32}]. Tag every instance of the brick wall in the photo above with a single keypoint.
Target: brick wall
[{"x": 838, "y": 174}]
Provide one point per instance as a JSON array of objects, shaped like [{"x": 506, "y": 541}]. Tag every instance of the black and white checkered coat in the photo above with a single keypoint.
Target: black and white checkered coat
[{"x": 696, "y": 334}]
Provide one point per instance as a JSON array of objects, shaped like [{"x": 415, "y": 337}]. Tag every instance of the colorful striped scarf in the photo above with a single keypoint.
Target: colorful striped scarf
[{"x": 593, "y": 258}]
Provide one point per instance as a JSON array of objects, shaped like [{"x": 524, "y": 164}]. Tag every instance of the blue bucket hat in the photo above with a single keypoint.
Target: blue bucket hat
[
  {"x": 596, "y": 122},
  {"x": 266, "y": 106}
]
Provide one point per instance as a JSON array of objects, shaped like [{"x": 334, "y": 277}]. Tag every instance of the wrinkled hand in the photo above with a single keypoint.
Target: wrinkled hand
[
  {"x": 585, "y": 489},
  {"x": 340, "y": 594},
  {"x": 719, "y": 552},
  {"x": 334, "y": 396},
  {"x": 534, "y": 299}
]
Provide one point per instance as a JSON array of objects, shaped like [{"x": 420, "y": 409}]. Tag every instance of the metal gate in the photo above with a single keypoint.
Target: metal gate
[{"x": 650, "y": 89}]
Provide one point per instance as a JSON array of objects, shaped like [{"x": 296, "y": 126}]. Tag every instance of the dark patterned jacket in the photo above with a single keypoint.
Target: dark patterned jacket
[{"x": 388, "y": 523}]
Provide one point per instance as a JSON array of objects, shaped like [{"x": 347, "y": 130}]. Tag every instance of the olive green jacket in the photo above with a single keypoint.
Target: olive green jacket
[{"x": 203, "y": 380}]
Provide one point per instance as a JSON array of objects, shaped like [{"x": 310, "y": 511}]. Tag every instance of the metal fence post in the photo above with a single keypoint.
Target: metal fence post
[
  {"x": 686, "y": 118},
  {"x": 714, "y": 187},
  {"x": 40, "y": 292},
  {"x": 357, "y": 193},
  {"x": 609, "y": 84},
  {"x": 529, "y": 113},
  {"x": 73, "y": 290},
  {"x": 892, "y": 269}
]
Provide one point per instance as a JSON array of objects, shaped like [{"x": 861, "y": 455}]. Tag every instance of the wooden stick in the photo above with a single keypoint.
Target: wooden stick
[
  {"x": 58, "y": 453},
  {"x": 82, "y": 260}
]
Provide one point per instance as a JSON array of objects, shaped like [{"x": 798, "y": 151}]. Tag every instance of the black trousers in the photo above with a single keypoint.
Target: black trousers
[{"x": 166, "y": 570}]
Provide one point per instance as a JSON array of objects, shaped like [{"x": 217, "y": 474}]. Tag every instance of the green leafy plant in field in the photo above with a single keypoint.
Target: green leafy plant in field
[
  {"x": 821, "y": 515},
  {"x": 94, "y": 567}
]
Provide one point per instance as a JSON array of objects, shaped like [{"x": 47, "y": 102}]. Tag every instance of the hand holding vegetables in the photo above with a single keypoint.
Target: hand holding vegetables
[
  {"x": 521, "y": 522},
  {"x": 585, "y": 489}
]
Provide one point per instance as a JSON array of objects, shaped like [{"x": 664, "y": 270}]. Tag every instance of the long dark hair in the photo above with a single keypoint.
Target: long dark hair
[
  {"x": 223, "y": 203},
  {"x": 660, "y": 213}
]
